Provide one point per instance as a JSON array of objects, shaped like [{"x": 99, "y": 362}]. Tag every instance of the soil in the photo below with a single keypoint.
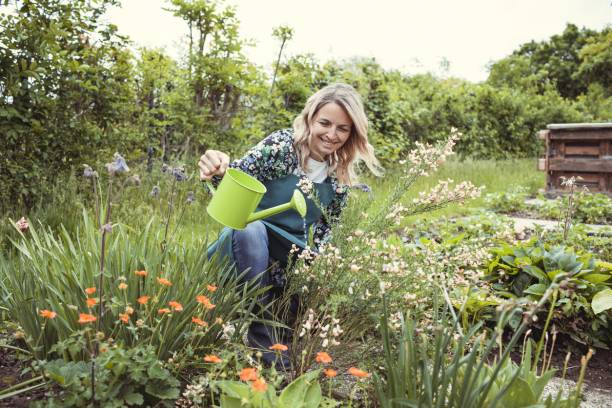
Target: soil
[
  {"x": 599, "y": 369},
  {"x": 10, "y": 374}
]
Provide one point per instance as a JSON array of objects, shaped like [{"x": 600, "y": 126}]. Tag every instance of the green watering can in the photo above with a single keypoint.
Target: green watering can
[{"x": 238, "y": 195}]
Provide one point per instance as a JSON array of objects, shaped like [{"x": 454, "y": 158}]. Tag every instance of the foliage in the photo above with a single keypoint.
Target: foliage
[
  {"x": 510, "y": 201},
  {"x": 527, "y": 269},
  {"x": 451, "y": 368},
  {"x": 304, "y": 392},
  {"x": 569, "y": 62},
  {"x": 124, "y": 377},
  {"x": 65, "y": 83},
  {"x": 92, "y": 95},
  {"x": 149, "y": 289},
  {"x": 340, "y": 289},
  {"x": 588, "y": 208}
]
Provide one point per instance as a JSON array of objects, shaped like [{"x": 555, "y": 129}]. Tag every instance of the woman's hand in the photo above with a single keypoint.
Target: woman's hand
[{"x": 213, "y": 163}]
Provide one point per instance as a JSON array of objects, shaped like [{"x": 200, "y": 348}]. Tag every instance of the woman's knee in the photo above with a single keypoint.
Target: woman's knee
[
  {"x": 253, "y": 238},
  {"x": 250, "y": 247}
]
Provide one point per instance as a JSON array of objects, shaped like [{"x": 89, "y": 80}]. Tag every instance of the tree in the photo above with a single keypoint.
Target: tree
[
  {"x": 66, "y": 81},
  {"x": 596, "y": 61},
  {"x": 284, "y": 34},
  {"x": 557, "y": 61}
]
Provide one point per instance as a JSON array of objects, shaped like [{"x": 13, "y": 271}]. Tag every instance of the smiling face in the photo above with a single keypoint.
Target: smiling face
[{"x": 330, "y": 129}]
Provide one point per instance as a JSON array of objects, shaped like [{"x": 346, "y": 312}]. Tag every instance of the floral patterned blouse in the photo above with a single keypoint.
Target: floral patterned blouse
[{"x": 275, "y": 157}]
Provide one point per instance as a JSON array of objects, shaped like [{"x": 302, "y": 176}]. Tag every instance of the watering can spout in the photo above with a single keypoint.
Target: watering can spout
[{"x": 298, "y": 203}]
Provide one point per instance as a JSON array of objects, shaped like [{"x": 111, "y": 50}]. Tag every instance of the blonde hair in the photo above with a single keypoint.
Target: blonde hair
[{"x": 355, "y": 149}]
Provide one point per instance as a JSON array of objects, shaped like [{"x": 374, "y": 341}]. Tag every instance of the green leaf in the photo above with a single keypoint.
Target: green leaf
[
  {"x": 233, "y": 389},
  {"x": 602, "y": 301},
  {"x": 536, "y": 273},
  {"x": 134, "y": 398},
  {"x": 596, "y": 277},
  {"x": 165, "y": 393},
  {"x": 519, "y": 394},
  {"x": 230, "y": 402},
  {"x": 295, "y": 393},
  {"x": 313, "y": 395},
  {"x": 537, "y": 289}
]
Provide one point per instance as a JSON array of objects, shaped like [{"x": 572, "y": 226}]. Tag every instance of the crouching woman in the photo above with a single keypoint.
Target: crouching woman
[{"x": 319, "y": 156}]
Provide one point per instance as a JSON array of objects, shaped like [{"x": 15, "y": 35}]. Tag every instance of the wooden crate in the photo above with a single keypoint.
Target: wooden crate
[{"x": 578, "y": 150}]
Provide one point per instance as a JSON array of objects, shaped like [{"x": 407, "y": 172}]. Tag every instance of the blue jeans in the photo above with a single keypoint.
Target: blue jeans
[{"x": 251, "y": 248}]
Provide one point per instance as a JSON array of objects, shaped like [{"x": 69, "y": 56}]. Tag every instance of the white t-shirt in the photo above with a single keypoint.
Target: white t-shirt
[{"x": 317, "y": 171}]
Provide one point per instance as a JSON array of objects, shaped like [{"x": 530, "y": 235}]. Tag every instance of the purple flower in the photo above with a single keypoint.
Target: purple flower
[
  {"x": 155, "y": 191},
  {"x": 88, "y": 172},
  {"x": 179, "y": 173},
  {"x": 363, "y": 187},
  {"x": 118, "y": 165}
]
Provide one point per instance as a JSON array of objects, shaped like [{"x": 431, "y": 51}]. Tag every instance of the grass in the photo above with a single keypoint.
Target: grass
[{"x": 495, "y": 176}]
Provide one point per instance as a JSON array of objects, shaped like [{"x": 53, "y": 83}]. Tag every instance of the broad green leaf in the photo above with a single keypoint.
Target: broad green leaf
[
  {"x": 536, "y": 273},
  {"x": 602, "y": 301},
  {"x": 519, "y": 394},
  {"x": 537, "y": 289},
  {"x": 230, "y": 402},
  {"x": 165, "y": 393},
  {"x": 313, "y": 395},
  {"x": 134, "y": 399},
  {"x": 596, "y": 277},
  {"x": 552, "y": 274},
  {"x": 233, "y": 389},
  {"x": 295, "y": 393}
]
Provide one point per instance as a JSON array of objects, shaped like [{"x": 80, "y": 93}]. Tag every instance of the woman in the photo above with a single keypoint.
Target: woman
[{"x": 318, "y": 156}]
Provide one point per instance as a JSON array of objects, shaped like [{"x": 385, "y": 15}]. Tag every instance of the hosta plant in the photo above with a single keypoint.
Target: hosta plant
[{"x": 583, "y": 308}]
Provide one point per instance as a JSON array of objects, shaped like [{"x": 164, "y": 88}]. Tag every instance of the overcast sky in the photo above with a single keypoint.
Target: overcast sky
[{"x": 409, "y": 35}]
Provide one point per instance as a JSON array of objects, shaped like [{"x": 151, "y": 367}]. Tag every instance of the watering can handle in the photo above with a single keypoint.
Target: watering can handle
[{"x": 210, "y": 187}]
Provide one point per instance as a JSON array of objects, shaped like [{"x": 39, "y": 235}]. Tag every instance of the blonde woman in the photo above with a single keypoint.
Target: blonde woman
[{"x": 318, "y": 156}]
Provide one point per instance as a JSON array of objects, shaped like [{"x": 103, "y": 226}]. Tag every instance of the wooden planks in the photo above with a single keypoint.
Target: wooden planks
[{"x": 579, "y": 150}]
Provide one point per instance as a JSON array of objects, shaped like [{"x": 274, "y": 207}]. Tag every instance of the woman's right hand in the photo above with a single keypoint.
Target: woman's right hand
[{"x": 213, "y": 163}]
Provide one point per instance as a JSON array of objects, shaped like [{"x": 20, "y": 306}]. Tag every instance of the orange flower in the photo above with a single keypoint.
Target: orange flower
[
  {"x": 163, "y": 310},
  {"x": 90, "y": 291},
  {"x": 323, "y": 357},
  {"x": 330, "y": 373},
  {"x": 124, "y": 317},
  {"x": 123, "y": 286},
  {"x": 205, "y": 302},
  {"x": 143, "y": 299},
  {"x": 259, "y": 385},
  {"x": 199, "y": 321},
  {"x": 278, "y": 347},
  {"x": 248, "y": 374},
  {"x": 358, "y": 373},
  {"x": 211, "y": 288},
  {"x": 85, "y": 318},
  {"x": 211, "y": 358},
  {"x": 47, "y": 314},
  {"x": 141, "y": 273},
  {"x": 91, "y": 302},
  {"x": 164, "y": 281},
  {"x": 176, "y": 306}
]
